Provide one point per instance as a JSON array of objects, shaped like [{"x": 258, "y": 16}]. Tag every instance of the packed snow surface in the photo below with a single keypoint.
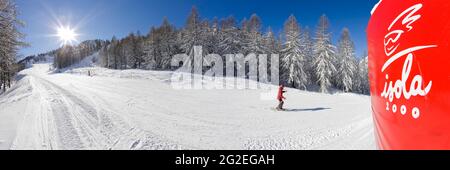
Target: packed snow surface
[{"x": 137, "y": 109}]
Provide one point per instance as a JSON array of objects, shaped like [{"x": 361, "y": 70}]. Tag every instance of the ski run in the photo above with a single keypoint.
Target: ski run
[{"x": 139, "y": 110}]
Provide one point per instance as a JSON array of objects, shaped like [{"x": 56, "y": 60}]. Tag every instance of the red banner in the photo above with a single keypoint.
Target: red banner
[{"x": 409, "y": 72}]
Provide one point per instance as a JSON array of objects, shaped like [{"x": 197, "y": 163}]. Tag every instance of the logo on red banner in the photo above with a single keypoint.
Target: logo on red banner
[{"x": 395, "y": 89}]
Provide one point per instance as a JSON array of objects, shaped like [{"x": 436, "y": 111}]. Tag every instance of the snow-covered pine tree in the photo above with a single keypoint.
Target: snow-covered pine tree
[
  {"x": 363, "y": 75},
  {"x": 244, "y": 25},
  {"x": 137, "y": 51},
  {"x": 243, "y": 33},
  {"x": 212, "y": 38},
  {"x": 293, "y": 58},
  {"x": 271, "y": 46},
  {"x": 324, "y": 53},
  {"x": 346, "y": 64},
  {"x": 122, "y": 53},
  {"x": 129, "y": 57},
  {"x": 10, "y": 40},
  {"x": 205, "y": 31},
  {"x": 150, "y": 49},
  {"x": 113, "y": 53},
  {"x": 191, "y": 36},
  {"x": 270, "y": 43},
  {"x": 104, "y": 56},
  {"x": 307, "y": 48},
  {"x": 160, "y": 45},
  {"x": 65, "y": 56},
  {"x": 230, "y": 39},
  {"x": 254, "y": 41},
  {"x": 168, "y": 44},
  {"x": 211, "y": 35}
]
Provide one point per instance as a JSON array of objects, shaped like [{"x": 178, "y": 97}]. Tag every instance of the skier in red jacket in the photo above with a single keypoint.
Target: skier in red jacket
[{"x": 280, "y": 97}]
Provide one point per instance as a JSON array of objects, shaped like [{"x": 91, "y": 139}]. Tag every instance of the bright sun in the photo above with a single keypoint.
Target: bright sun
[{"x": 66, "y": 35}]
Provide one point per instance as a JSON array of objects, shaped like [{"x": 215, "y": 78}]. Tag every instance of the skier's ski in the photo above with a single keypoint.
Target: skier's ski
[{"x": 276, "y": 109}]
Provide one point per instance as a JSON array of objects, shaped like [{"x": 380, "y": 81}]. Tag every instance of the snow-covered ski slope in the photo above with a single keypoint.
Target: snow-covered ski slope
[{"x": 137, "y": 109}]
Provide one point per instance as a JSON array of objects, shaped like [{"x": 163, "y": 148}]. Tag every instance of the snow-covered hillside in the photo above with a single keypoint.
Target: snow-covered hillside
[{"x": 137, "y": 109}]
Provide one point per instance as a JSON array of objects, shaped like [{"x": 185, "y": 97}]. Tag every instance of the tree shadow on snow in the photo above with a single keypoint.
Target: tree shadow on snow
[{"x": 309, "y": 109}]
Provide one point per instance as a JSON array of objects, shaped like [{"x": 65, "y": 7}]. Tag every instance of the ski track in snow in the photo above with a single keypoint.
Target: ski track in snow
[{"x": 76, "y": 112}]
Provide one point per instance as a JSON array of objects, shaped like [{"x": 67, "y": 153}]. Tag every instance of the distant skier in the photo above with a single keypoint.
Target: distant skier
[{"x": 281, "y": 97}]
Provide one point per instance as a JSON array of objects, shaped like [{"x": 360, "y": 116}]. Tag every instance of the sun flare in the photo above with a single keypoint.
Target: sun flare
[{"x": 66, "y": 35}]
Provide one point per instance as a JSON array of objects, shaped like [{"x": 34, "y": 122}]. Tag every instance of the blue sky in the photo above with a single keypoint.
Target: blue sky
[{"x": 101, "y": 19}]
